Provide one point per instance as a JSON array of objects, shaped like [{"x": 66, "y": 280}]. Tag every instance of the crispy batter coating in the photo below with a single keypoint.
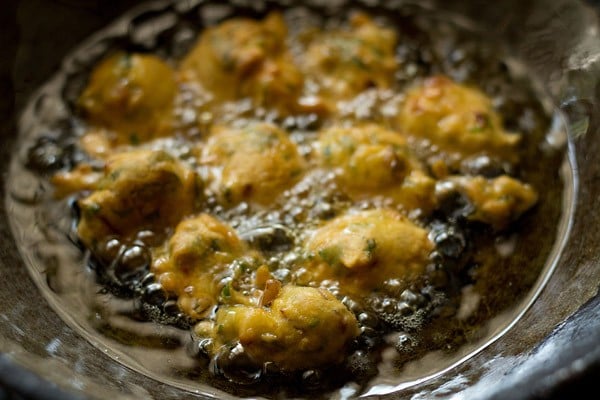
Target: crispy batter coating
[
  {"x": 246, "y": 58},
  {"x": 456, "y": 118},
  {"x": 131, "y": 95},
  {"x": 141, "y": 189},
  {"x": 195, "y": 258},
  {"x": 255, "y": 163},
  {"x": 362, "y": 251},
  {"x": 347, "y": 61},
  {"x": 371, "y": 160},
  {"x": 498, "y": 201},
  {"x": 304, "y": 328}
]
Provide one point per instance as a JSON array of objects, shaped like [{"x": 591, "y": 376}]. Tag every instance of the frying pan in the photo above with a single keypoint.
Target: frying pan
[{"x": 552, "y": 351}]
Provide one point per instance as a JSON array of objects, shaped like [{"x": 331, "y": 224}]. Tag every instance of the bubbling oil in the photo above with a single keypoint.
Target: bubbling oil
[{"x": 113, "y": 299}]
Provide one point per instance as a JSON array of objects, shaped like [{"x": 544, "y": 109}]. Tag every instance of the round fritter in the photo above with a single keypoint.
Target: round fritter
[
  {"x": 195, "y": 259},
  {"x": 365, "y": 250},
  {"x": 246, "y": 58},
  {"x": 140, "y": 189},
  {"x": 456, "y": 118},
  {"x": 370, "y": 160},
  {"x": 131, "y": 95},
  {"x": 303, "y": 328},
  {"x": 255, "y": 163},
  {"x": 348, "y": 61}
]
